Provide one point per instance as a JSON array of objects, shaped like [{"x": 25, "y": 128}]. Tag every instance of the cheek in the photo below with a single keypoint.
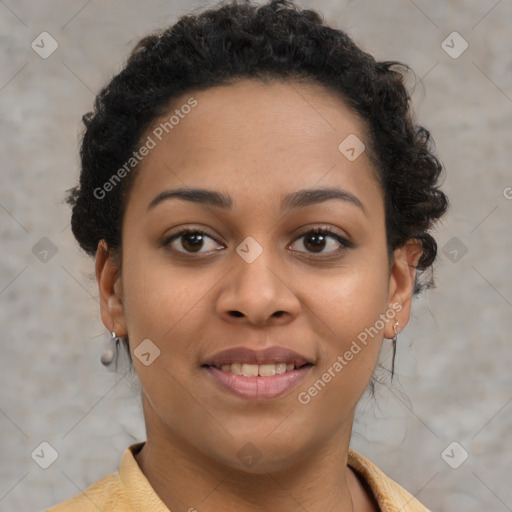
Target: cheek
[
  {"x": 175, "y": 307},
  {"x": 167, "y": 303},
  {"x": 349, "y": 319},
  {"x": 353, "y": 297},
  {"x": 172, "y": 308},
  {"x": 158, "y": 297}
]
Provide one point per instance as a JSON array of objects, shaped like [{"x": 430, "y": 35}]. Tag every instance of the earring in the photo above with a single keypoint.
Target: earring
[
  {"x": 394, "y": 340},
  {"x": 108, "y": 355}
]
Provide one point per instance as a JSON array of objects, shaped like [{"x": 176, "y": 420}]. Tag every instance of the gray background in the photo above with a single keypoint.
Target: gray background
[{"x": 454, "y": 359}]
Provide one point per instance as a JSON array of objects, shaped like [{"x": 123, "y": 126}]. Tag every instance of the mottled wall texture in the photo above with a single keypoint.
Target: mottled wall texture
[{"x": 443, "y": 429}]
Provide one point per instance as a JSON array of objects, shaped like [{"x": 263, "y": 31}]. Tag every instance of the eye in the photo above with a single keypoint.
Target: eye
[
  {"x": 192, "y": 240},
  {"x": 316, "y": 240}
]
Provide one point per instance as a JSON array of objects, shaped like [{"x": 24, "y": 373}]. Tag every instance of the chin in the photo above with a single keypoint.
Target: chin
[{"x": 262, "y": 452}]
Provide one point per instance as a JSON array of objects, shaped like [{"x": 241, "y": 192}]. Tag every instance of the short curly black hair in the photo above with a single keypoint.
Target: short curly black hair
[{"x": 277, "y": 40}]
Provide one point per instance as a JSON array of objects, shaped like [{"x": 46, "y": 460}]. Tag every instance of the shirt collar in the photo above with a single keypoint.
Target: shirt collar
[
  {"x": 137, "y": 487},
  {"x": 143, "y": 497}
]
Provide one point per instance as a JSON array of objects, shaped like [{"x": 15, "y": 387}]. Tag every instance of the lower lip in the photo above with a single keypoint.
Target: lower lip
[{"x": 259, "y": 388}]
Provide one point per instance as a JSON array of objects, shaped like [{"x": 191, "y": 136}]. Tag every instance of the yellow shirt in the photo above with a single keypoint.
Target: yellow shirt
[{"x": 128, "y": 490}]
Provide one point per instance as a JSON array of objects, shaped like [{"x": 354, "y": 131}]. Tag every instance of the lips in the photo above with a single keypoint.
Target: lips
[
  {"x": 245, "y": 355},
  {"x": 248, "y": 374}
]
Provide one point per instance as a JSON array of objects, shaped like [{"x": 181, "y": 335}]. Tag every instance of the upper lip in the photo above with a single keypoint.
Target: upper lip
[{"x": 247, "y": 355}]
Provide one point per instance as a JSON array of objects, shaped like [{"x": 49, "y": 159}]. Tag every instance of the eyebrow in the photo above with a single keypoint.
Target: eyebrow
[{"x": 294, "y": 200}]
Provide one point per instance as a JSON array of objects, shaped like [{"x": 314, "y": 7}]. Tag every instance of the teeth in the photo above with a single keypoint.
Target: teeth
[
  {"x": 254, "y": 370},
  {"x": 250, "y": 370},
  {"x": 280, "y": 368},
  {"x": 236, "y": 368},
  {"x": 266, "y": 370}
]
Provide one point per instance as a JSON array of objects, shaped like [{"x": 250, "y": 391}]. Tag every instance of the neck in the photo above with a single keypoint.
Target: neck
[
  {"x": 186, "y": 479},
  {"x": 182, "y": 485}
]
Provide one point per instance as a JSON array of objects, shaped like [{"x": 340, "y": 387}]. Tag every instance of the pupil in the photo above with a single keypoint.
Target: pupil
[
  {"x": 196, "y": 241},
  {"x": 319, "y": 243}
]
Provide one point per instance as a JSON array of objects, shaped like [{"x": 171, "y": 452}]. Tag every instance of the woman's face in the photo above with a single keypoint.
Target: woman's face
[{"x": 258, "y": 284}]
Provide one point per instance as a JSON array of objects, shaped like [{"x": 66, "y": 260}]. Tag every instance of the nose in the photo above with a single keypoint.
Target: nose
[{"x": 258, "y": 293}]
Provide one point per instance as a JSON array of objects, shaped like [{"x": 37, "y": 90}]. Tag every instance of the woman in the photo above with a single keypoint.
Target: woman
[{"x": 258, "y": 201}]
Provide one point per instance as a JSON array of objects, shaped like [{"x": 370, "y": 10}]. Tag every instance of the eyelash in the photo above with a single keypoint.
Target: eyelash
[{"x": 345, "y": 244}]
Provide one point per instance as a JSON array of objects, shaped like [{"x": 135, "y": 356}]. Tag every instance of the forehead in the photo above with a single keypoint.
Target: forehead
[{"x": 254, "y": 140}]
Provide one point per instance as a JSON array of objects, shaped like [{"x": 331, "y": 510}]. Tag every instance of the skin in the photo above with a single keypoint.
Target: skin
[{"x": 256, "y": 142}]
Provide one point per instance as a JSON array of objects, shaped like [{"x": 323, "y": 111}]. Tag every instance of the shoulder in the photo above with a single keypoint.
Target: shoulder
[
  {"x": 390, "y": 496},
  {"x": 106, "y": 495},
  {"x": 123, "y": 491}
]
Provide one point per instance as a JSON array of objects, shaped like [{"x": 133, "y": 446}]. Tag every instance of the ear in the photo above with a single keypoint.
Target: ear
[
  {"x": 109, "y": 283},
  {"x": 401, "y": 284}
]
